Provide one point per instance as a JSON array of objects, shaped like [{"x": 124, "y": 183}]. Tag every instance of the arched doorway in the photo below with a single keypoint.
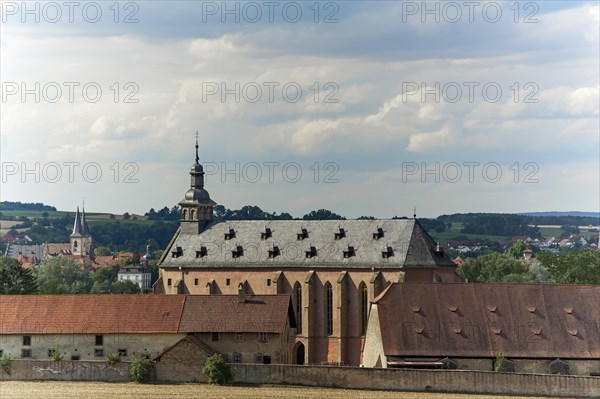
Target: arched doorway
[{"x": 299, "y": 353}]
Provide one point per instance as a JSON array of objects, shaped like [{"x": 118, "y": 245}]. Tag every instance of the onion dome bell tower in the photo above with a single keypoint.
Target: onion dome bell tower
[{"x": 196, "y": 206}]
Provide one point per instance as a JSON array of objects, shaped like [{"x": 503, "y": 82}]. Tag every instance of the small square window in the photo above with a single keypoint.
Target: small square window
[
  {"x": 379, "y": 234},
  {"x": 340, "y": 235},
  {"x": 50, "y": 352},
  {"x": 348, "y": 253},
  {"x": 258, "y": 358},
  {"x": 177, "y": 252},
  {"x": 123, "y": 352},
  {"x": 239, "y": 337},
  {"x": 228, "y": 281},
  {"x": 99, "y": 353},
  {"x": 202, "y": 252},
  {"x": 99, "y": 340},
  {"x": 274, "y": 252},
  {"x": 214, "y": 336},
  {"x": 169, "y": 281},
  {"x": 237, "y": 358},
  {"x": 26, "y": 340},
  {"x": 196, "y": 281},
  {"x": 25, "y": 352},
  {"x": 230, "y": 234},
  {"x": 262, "y": 337},
  {"x": 75, "y": 357},
  {"x": 387, "y": 252},
  {"x": 266, "y": 234},
  {"x": 303, "y": 234},
  {"x": 268, "y": 282}
]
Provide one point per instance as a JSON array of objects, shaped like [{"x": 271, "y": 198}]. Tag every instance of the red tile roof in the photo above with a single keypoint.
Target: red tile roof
[
  {"x": 224, "y": 313},
  {"x": 480, "y": 320},
  {"x": 108, "y": 314},
  {"x": 102, "y": 314}
]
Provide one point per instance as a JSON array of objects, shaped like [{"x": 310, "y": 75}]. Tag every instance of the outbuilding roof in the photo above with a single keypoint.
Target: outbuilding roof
[
  {"x": 126, "y": 313},
  {"x": 226, "y": 313},
  {"x": 481, "y": 320}
]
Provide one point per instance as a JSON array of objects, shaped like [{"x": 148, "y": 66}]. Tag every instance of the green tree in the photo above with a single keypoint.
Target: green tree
[
  {"x": 60, "y": 275},
  {"x": 56, "y": 354},
  {"x": 516, "y": 250},
  {"x": 125, "y": 287},
  {"x": 102, "y": 251},
  {"x": 581, "y": 267},
  {"x": 322, "y": 214},
  {"x": 14, "y": 279},
  {"x": 6, "y": 363},
  {"x": 141, "y": 369},
  {"x": 495, "y": 268},
  {"x": 216, "y": 369}
]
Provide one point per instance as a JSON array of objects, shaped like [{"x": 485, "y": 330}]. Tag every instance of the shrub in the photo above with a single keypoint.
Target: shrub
[
  {"x": 216, "y": 369},
  {"x": 112, "y": 359},
  {"x": 6, "y": 363},
  {"x": 55, "y": 354},
  {"x": 140, "y": 369},
  {"x": 500, "y": 366}
]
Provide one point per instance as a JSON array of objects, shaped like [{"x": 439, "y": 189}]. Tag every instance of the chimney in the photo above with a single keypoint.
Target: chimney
[{"x": 242, "y": 292}]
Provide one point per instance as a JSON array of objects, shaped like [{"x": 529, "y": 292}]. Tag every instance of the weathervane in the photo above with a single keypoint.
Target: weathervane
[{"x": 197, "y": 135}]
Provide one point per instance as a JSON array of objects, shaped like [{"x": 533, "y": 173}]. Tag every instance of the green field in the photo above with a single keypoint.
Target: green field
[
  {"x": 90, "y": 217},
  {"x": 454, "y": 231},
  {"x": 102, "y": 390}
]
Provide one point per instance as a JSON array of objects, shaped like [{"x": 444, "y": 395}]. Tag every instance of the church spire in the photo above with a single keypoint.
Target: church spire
[
  {"x": 85, "y": 231},
  {"x": 77, "y": 225}
]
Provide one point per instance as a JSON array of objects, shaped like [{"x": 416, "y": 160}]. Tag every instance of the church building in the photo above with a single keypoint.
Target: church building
[
  {"x": 81, "y": 239},
  {"x": 331, "y": 269}
]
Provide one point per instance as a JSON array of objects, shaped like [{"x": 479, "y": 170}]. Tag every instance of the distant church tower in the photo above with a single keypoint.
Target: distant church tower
[
  {"x": 81, "y": 239},
  {"x": 196, "y": 206}
]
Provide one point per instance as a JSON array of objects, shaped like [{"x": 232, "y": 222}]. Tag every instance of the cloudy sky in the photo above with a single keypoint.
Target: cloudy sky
[{"x": 361, "y": 107}]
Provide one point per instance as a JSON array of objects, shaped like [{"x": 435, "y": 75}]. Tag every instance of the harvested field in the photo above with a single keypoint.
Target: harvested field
[{"x": 102, "y": 390}]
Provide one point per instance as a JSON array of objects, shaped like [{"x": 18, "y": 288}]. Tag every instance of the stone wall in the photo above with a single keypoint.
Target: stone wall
[
  {"x": 420, "y": 380},
  {"x": 27, "y": 370},
  {"x": 480, "y": 382}
]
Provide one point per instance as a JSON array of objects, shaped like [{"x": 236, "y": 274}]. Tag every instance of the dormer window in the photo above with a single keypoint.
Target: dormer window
[
  {"x": 274, "y": 252},
  {"x": 349, "y": 252},
  {"x": 378, "y": 234},
  {"x": 201, "y": 253},
  {"x": 230, "y": 234},
  {"x": 266, "y": 234},
  {"x": 237, "y": 252},
  {"x": 303, "y": 234},
  {"x": 341, "y": 234},
  {"x": 177, "y": 252},
  {"x": 312, "y": 252},
  {"x": 387, "y": 252}
]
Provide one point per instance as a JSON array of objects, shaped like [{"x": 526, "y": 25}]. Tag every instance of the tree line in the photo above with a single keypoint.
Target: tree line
[
  {"x": 581, "y": 267},
  {"x": 27, "y": 206},
  {"x": 60, "y": 275}
]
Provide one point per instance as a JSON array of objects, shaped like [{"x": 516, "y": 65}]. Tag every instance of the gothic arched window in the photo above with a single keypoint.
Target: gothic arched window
[
  {"x": 363, "y": 308},
  {"x": 297, "y": 298},
  {"x": 328, "y": 308}
]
